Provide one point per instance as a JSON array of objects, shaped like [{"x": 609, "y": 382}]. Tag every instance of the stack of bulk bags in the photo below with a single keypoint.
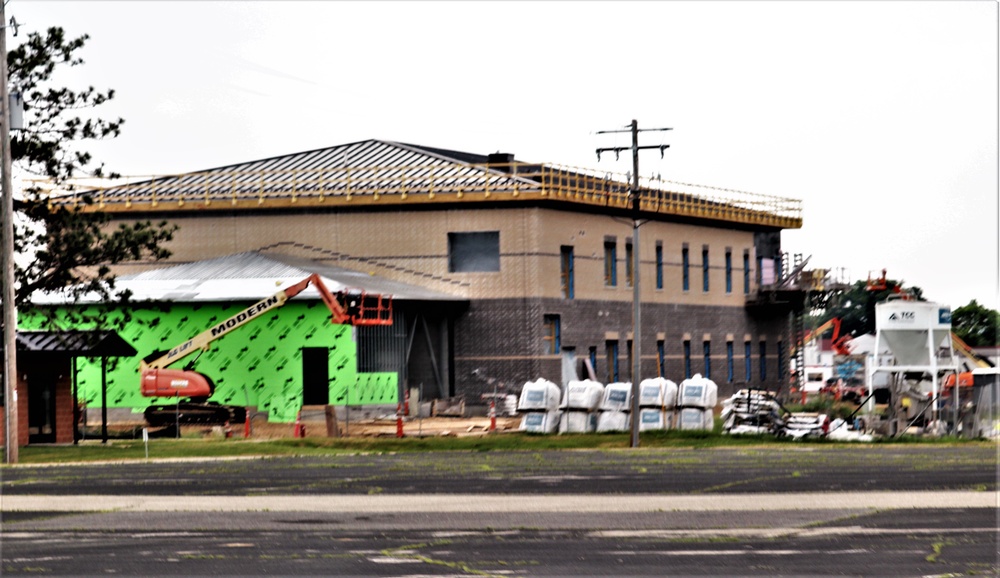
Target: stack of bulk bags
[
  {"x": 539, "y": 404},
  {"x": 579, "y": 406},
  {"x": 657, "y": 399},
  {"x": 696, "y": 399},
  {"x": 615, "y": 405}
]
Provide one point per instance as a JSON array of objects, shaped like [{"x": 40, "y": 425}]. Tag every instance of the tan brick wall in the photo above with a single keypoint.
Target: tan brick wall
[{"x": 409, "y": 246}]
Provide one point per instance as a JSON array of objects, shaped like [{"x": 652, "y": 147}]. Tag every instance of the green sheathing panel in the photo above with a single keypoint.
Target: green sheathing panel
[{"x": 259, "y": 364}]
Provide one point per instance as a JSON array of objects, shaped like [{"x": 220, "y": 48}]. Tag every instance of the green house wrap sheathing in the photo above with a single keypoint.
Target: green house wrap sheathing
[{"x": 259, "y": 364}]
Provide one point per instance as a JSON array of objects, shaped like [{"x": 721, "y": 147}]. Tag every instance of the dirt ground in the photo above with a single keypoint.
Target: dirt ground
[{"x": 387, "y": 427}]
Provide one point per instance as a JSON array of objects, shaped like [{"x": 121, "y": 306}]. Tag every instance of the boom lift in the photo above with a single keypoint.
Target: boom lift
[{"x": 196, "y": 388}]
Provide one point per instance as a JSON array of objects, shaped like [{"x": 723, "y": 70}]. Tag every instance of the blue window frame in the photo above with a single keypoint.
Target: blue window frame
[
  {"x": 612, "y": 358},
  {"x": 593, "y": 359},
  {"x": 704, "y": 269},
  {"x": 566, "y": 271},
  {"x": 659, "y": 265},
  {"x": 687, "y": 358},
  {"x": 747, "y": 353},
  {"x": 746, "y": 272},
  {"x": 729, "y": 361},
  {"x": 707, "y": 346},
  {"x": 685, "y": 269},
  {"x": 729, "y": 271}
]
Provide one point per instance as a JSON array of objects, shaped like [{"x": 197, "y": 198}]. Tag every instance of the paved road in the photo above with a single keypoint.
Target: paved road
[{"x": 815, "y": 510}]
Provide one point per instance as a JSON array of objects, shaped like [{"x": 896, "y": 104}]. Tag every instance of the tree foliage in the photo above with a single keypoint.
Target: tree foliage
[
  {"x": 65, "y": 246},
  {"x": 855, "y": 305},
  {"x": 976, "y": 325}
]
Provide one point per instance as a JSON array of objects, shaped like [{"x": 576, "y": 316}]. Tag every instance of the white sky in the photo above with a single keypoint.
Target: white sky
[{"x": 881, "y": 116}]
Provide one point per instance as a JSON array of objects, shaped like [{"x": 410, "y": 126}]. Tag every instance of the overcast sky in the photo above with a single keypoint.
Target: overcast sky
[{"x": 882, "y": 117}]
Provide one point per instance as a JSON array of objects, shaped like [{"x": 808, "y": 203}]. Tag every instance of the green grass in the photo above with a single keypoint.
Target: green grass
[{"x": 214, "y": 447}]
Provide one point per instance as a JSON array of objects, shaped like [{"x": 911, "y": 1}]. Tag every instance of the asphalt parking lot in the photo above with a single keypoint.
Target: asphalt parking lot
[{"x": 894, "y": 510}]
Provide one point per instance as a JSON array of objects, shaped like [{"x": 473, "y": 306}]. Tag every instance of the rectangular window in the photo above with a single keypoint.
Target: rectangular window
[
  {"x": 685, "y": 268},
  {"x": 704, "y": 268},
  {"x": 610, "y": 263},
  {"x": 566, "y": 271},
  {"x": 763, "y": 360},
  {"x": 611, "y": 348},
  {"x": 687, "y": 358},
  {"x": 746, "y": 272},
  {"x": 474, "y": 252},
  {"x": 592, "y": 353},
  {"x": 729, "y": 271},
  {"x": 551, "y": 337},
  {"x": 747, "y": 353},
  {"x": 661, "y": 359},
  {"x": 629, "y": 257},
  {"x": 707, "y": 347},
  {"x": 760, "y": 271},
  {"x": 729, "y": 362},
  {"x": 659, "y": 265},
  {"x": 631, "y": 360}
]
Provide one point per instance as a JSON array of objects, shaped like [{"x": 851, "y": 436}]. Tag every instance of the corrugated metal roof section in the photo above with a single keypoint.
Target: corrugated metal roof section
[
  {"x": 366, "y": 168},
  {"x": 77, "y": 343},
  {"x": 251, "y": 276}
]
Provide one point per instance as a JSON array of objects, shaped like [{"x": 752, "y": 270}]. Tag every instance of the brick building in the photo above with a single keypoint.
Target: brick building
[{"x": 540, "y": 257}]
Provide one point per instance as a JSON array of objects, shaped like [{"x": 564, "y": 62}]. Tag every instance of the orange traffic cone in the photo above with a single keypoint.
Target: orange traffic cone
[
  {"x": 298, "y": 431},
  {"x": 399, "y": 420},
  {"x": 493, "y": 416}
]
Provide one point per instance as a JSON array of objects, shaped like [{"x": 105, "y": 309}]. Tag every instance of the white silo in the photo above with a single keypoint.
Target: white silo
[{"x": 918, "y": 333}]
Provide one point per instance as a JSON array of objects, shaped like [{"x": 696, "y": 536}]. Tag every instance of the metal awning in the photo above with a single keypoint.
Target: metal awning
[{"x": 75, "y": 343}]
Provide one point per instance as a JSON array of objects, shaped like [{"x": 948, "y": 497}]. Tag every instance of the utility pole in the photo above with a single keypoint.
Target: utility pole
[
  {"x": 634, "y": 198},
  {"x": 7, "y": 251}
]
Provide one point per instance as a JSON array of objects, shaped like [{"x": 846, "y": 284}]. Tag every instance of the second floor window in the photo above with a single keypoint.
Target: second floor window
[
  {"x": 566, "y": 271},
  {"x": 629, "y": 263},
  {"x": 685, "y": 268},
  {"x": 659, "y": 265},
  {"x": 610, "y": 263}
]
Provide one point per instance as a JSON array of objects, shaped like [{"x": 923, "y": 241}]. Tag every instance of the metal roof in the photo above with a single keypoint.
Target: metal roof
[
  {"x": 75, "y": 343},
  {"x": 375, "y": 173},
  {"x": 252, "y": 276}
]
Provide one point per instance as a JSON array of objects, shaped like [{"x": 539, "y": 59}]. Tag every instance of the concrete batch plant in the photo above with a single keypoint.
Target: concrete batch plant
[{"x": 502, "y": 272}]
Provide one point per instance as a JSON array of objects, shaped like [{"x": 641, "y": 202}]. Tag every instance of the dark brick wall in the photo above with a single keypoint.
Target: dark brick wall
[{"x": 503, "y": 339}]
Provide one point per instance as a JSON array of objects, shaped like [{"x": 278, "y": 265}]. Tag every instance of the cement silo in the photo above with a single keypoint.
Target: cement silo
[{"x": 918, "y": 333}]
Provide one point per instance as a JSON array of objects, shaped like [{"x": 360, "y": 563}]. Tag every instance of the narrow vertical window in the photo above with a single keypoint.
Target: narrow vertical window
[
  {"x": 729, "y": 271},
  {"x": 631, "y": 360},
  {"x": 610, "y": 263},
  {"x": 704, "y": 268},
  {"x": 659, "y": 265},
  {"x": 592, "y": 354},
  {"x": 687, "y": 358},
  {"x": 661, "y": 359},
  {"x": 729, "y": 362},
  {"x": 566, "y": 271},
  {"x": 551, "y": 336},
  {"x": 685, "y": 268},
  {"x": 747, "y": 353},
  {"x": 611, "y": 350},
  {"x": 763, "y": 360},
  {"x": 760, "y": 271},
  {"x": 707, "y": 348},
  {"x": 746, "y": 272},
  {"x": 629, "y": 257}
]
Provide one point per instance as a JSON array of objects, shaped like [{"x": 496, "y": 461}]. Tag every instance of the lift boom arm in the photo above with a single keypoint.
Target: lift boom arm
[{"x": 355, "y": 314}]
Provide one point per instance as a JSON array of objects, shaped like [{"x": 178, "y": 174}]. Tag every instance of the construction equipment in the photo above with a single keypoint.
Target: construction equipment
[
  {"x": 838, "y": 342},
  {"x": 195, "y": 388}
]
